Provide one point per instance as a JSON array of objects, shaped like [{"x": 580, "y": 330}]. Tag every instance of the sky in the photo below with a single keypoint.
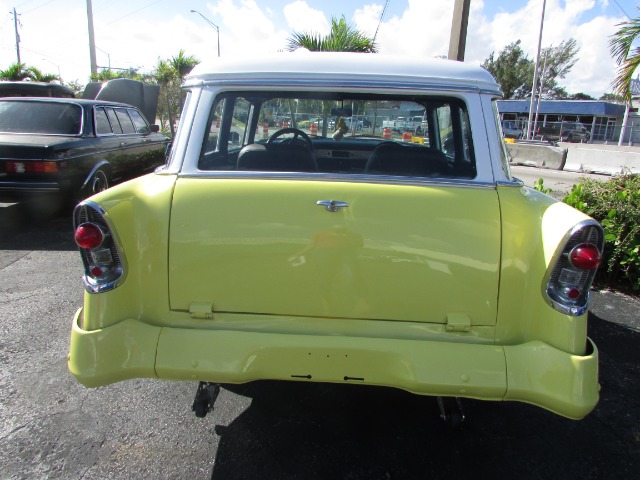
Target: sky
[{"x": 137, "y": 33}]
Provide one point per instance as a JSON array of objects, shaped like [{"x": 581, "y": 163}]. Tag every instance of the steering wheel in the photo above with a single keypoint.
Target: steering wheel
[{"x": 296, "y": 133}]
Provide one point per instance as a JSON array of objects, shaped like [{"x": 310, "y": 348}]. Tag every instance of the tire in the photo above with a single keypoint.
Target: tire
[
  {"x": 418, "y": 130},
  {"x": 98, "y": 183}
]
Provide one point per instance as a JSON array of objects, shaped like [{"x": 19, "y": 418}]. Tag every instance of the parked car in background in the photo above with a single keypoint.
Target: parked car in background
[
  {"x": 563, "y": 132},
  {"x": 70, "y": 149},
  {"x": 416, "y": 124},
  {"x": 511, "y": 130},
  {"x": 346, "y": 259}
]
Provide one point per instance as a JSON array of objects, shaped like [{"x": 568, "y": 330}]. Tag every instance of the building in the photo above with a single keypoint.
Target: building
[{"x": 602, "y": 119}]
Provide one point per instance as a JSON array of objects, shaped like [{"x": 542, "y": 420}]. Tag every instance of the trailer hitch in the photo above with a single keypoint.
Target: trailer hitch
[{"x": 205, "y": 398}]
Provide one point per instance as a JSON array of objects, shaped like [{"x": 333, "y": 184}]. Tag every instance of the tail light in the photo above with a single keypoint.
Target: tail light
[
  {"x": 31, "y": 167},
  {"x": 573, "y": 268},
  {"x": 102, "y": 258}
]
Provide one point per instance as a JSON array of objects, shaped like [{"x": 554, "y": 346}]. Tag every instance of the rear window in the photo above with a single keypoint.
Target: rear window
[
  {"x": 40, "y": 118},
  {"x": 340, "y": 133}
]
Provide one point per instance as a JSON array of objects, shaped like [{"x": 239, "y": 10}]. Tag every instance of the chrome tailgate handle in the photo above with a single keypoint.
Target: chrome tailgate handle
[{"x": 332, "y": 205}]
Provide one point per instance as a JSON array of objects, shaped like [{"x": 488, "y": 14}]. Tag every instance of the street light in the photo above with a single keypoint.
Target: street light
[
  {"x": 212, "y": 24},
  {"x": 59, "y": 74},
  {"x": 108, "y": 56},
  {"x": 530, "y": 132}
]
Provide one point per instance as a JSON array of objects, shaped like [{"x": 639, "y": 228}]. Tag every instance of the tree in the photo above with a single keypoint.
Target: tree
[
  {"x": 342, "y": 38},
  {"x": 626, "y": 56},
  {"x": 170, "y": 75},
  {"x": 581, "y": 96},
  {"x": 612, "y": 97},
  {"x": 107, "y": 74},
  {"x": 37, "y": 75},
  {"x": 514, "y": 70},
  {"x": 19, "y": 72}
]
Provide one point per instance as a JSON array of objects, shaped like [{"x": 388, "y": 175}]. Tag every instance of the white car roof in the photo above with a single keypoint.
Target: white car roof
[{"x": 343, "y": 69}]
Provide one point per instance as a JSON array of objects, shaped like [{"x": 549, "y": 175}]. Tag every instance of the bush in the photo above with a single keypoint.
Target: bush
[{"x": 616, "y": 205}]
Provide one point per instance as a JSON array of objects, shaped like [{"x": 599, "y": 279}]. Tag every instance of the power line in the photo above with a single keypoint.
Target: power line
[
  {"x": 384, "y": 9},
  {"x": 135, "y": 11},
  {"x": 621, "y": 9}
]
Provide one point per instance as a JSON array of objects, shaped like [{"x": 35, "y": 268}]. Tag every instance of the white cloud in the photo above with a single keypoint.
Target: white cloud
[{"x": 302, "y": 18}]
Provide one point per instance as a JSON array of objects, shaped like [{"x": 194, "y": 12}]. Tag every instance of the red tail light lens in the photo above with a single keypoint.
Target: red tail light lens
[
  {"x": 88, "y": 235},
  {"x": 31, "y": 167},
  {"x": 585, "y": 256}
]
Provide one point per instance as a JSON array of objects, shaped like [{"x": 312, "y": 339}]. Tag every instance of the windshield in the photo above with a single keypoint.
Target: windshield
[
  {"x": 53, "y": 118},
  {"x": 331, "y": 132}
]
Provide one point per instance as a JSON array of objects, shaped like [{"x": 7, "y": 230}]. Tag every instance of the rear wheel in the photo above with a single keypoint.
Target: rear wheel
[{"x": 98, "y": 183}]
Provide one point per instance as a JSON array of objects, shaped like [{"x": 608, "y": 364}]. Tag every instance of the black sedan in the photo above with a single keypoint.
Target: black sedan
[{"x": 72, "y": 148}]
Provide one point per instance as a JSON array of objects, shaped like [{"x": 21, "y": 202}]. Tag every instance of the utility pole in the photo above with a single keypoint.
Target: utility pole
[
  {"x": 15, "y": 23},
  {"x": 458, "y": 39},
  {"x": 92, "y": 41}
]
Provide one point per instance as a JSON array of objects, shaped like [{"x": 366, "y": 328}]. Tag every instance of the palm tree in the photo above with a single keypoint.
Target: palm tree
[
  {"x": 182, "y": 64},
  {"x": 342, "y": 38},
  {"x": 170, "y": 75},
  {"x": 626, "y": 55},
  {"x": 15, "y": 72},
  {"x": 37, "y": 75}
]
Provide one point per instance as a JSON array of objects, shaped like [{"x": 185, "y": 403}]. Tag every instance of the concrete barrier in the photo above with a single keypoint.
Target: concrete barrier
[
  {"x": 577, "y": 157},
  {"x": 541, "y": 156},
  {"x": 607, "y": 159}
]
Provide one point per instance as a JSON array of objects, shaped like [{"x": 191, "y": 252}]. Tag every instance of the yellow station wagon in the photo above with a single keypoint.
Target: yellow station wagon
[{"x": 316, "y": 253}]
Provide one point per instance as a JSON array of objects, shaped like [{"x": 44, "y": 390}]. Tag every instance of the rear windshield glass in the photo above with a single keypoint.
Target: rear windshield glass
[
  {"x": 329, "y": 132},
  {"x": 41, "y": 118}
]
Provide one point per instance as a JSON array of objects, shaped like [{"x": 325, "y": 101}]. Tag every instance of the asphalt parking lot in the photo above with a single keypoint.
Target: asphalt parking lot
[{"x": 51, "y": 427}]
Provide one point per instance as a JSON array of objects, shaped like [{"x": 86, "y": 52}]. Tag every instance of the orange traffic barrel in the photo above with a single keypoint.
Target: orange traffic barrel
[{"x": 386, "y": 133}]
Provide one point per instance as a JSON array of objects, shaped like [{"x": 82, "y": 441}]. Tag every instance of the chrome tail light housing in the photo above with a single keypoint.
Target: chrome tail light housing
[
  {"x": 573, "y": 268},
  {"x": 104, "y": 264}
]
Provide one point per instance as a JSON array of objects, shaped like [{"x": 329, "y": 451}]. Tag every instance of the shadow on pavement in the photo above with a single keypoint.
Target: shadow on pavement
[
  {"x": 315, "y": 431},
  {"x": 21, "y": 229}
]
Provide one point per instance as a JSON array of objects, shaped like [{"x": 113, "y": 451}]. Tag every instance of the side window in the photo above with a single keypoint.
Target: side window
[
  {"x": 213, "y": 132},
  {"x": 115, "y": 124},
  {"x": 239, "y": 125},
  {"x": 102, "y": 122},
  {"x": 140, "y": 123},
  {"x": 504, "y": 157},
  {"x": 225, "y": 133},
  {"x": 445, "y": 130},
  {"x": 125, "y": 121}
]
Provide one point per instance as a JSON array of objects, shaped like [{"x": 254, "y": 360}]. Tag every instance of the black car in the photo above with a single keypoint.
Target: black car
[{"x": 72, "y": 148}]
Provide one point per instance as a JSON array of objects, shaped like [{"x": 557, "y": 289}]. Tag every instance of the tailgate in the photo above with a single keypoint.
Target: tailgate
[{"x": 397, "y": 252}]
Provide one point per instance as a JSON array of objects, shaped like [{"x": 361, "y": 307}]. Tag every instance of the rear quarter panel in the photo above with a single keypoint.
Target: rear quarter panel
[
  {"x": 533, "y": 226},
  {"x": 138, "y": 213}
]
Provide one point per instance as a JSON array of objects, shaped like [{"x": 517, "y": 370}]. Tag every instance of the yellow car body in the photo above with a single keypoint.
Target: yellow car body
[{"x": 441, "y": 285}]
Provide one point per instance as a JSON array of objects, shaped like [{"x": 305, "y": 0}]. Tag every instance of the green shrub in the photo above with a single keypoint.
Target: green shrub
[
  {"x": 539, "y": 185},
  {"x": 616, "y": 205}
]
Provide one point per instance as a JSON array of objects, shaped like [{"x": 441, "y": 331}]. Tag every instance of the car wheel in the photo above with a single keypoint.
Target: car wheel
[
  {"x": 418, "y": 130},
  {"x": 99, "y": 182}
]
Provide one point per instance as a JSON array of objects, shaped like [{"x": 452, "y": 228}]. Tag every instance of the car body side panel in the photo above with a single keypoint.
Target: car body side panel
[
  {"x": 141, "y": 210},
  {"x": 534, "y": 225},
  {"x": 397, "y": 252}
]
